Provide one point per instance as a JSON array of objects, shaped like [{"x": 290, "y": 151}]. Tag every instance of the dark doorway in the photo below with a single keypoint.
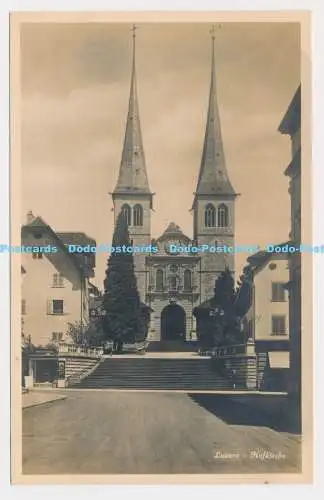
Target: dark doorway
[
  {"x": 173, "y": 323},
  {"x": 46, "y": 370}
]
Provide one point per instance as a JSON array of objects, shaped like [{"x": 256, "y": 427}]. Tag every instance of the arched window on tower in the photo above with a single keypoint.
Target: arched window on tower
[
  {"x": 126, "y": 211},
  {"x": 187, "y": 280},
  {"x": 210, "y": 216},
  {"x": 138, "y": 215},
  {"x": 159, "y": 280},
  {"x": 222, "y": 216}
]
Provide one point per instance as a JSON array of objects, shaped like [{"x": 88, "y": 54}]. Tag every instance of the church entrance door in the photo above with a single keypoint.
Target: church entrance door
[{"x": 173, "y": 323}]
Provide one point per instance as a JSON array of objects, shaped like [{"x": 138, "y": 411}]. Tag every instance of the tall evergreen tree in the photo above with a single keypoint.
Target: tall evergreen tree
[
  {"x": 244, "y": 292},
  {"x": 225, "y": 295},
  {"x": 225, "y": 290},
  {"x": 121, "y": 303}
]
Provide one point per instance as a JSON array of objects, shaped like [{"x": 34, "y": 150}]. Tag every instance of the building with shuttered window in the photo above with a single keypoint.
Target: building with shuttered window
[
  {"x": 291, "y": 126},
  {"x": 56, "y": 287},
  {"x": 267, "y": 319}
]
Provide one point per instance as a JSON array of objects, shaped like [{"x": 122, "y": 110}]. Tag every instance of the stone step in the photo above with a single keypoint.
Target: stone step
[
  {"x": 155, "y": 361},
  {"x": 161, "y": 376},
  {"x": 172, "y": 346},
  {"x": 141, "y": 373},
  {"x": 151, "y": 370},
  {"x": 188, "y": 387},
  {"x": 155, "y": 383}
]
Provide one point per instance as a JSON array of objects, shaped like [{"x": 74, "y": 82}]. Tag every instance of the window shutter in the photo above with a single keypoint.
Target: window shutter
[
  {"x": 278, "y": 292},
  {"x": 49, "y": 306}
]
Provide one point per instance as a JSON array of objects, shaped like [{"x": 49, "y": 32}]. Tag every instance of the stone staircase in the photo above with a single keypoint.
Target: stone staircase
[
  {"x": 188, "y": 374},
  {"x": 75, "y": 365}
]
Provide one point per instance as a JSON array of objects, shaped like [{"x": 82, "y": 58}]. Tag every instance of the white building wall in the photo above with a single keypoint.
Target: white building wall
[
  {"x": 265, "y": 308},
  {"x": 38, "y": 293}
]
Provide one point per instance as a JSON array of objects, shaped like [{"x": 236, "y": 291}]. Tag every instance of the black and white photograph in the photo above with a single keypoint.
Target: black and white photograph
[{"x": 158, "y": 169}]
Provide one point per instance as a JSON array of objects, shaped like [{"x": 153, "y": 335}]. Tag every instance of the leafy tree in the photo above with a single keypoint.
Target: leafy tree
[
  {"x": 85, "y": 333},
  {"x": 122, "y": 321}
]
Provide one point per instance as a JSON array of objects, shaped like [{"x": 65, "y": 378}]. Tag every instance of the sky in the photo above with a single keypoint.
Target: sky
[{"x": 75, "y": 81}]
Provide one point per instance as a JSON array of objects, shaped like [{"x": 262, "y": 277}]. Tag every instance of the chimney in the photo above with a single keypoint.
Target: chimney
[{"x": 30, "y": 217}]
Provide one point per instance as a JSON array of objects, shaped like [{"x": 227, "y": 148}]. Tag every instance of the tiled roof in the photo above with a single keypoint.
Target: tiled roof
[
  {"x": 172, "y": 230},
  {"x": 76, "y": 238},
  {"x": 63, "y": 239},
  {"x": 258, "y": 259}
]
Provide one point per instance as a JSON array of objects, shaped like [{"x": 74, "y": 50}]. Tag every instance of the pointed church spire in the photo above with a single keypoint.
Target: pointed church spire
[
  {"x": 213, "y": 177},
  {"x": 132, "y": 172}
]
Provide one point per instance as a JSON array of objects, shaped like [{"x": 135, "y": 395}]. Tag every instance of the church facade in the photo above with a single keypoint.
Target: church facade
[{"x": 173, "y": 284}]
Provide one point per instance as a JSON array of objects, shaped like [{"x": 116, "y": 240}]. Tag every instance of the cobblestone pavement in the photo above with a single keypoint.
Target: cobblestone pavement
[{"x": 152, "y": 433}]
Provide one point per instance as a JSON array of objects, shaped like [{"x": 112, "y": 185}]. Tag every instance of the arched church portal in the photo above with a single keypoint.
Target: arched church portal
[{"x": 173, "y": 323}]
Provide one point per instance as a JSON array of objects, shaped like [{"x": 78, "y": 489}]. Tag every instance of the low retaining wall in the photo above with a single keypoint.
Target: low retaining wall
[
  {"x": 252, "y": 371},
  {"x": 241, "y": 370},
  {"x": 275, "y": 379}
]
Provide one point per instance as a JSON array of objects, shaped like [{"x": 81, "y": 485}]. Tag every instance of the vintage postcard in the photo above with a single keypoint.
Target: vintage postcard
[{"x": 161, "y": 272}]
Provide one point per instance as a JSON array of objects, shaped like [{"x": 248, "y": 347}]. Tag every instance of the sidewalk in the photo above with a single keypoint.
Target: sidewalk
[
  {"x": 34, "y": 398},
  {"x": 158, "y": 355}
]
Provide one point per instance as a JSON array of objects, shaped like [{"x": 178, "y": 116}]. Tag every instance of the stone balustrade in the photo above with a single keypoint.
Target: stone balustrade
[{"x": 231, "y": 350}]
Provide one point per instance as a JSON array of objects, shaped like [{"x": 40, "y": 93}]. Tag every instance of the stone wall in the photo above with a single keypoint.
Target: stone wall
[{"x": 240, "y": 369}]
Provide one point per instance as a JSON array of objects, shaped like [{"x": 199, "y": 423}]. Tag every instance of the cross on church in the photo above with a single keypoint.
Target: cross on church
[
  {"x": 133, "y": 29},
  {"x": 213, "y": 29}
]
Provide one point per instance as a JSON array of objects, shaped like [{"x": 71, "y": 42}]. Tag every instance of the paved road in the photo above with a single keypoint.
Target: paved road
[{"x": 151, "y": 433}]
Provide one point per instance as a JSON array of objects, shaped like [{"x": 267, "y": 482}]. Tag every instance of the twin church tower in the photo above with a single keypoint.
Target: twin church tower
[{"x": 173, "y": 284}]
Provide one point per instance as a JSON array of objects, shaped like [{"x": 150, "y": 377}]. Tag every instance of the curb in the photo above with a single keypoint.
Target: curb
[
  {"x": 40, "y": 403},
  {"x": 220, "y": 392}
]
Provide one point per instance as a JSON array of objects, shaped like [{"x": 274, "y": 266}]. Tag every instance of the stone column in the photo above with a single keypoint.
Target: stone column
[
  {"x": 194, "y": 328},
  {"x": 31, "y": 368},
  {"x": 29, "y": 380}
]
